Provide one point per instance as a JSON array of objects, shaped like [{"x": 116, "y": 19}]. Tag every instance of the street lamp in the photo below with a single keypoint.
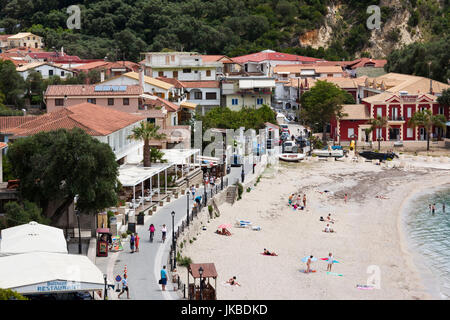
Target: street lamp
[
  {"x": 204, "y": 191},
  {"x": 173, "y": 241},
  {"x": 77, "y": 212},
  {"x": 187, "y": 208},
  {"x": 242, "y": 173},
  {"x": 105, "y": 296},
  {"x": 200, "y": 272}
]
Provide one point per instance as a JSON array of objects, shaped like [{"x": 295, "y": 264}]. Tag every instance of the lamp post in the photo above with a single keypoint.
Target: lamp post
[
  {"x": 204, "y": 191},
  {"x": 242, "y": 172},
  {"x": 105, "y": 296},
  {"x": 173, "y": 241},
  {"x": 77, "y": 212},
  {"x": 200, "y": 272},
  {"x": 187, "y": 208}
]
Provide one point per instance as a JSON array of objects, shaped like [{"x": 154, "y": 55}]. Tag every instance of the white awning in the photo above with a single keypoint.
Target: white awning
[
  {"x": 250, "y": 84},
  {"x": 132, "y": 175},
  {"x": 43, "y": 272},
  {"x": 179, "y": 156},
  {"x": 32, "y": 237}
]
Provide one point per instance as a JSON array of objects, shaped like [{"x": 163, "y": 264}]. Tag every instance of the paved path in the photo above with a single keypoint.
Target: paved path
[{"x": 143, "y": 267}]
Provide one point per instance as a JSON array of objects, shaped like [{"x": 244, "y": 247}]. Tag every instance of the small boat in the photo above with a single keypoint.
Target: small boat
[
  {"x": 292, "y": 157},
  {"x": 329, "y": 153}
]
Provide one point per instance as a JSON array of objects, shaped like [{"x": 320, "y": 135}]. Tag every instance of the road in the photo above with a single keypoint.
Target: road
[{"x": 143, "y": 267}]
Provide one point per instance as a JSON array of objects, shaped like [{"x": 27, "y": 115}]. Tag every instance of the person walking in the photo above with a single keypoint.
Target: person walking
[
  {"x": 132, "y": 243},
  {"x": 164, "y": 232},
  {"x": 152, "y": 232},
  {"x": 193, "y": 192},
  {"x": 124, "y": 287},
  {"x": 308, "y": 264},
  {"x": 304, "y": 201},
  {"x": 330, "y": 262},
  {"x": 136, "y": 241},
  {"x": 163, "y": 280},
  {"x": 433, "y": 208},
  {"x": 345, "y": 198}
]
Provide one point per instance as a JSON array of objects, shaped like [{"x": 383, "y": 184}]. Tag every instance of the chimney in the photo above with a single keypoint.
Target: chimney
[
  {"x": 102, "y": 76},
  {"x": 141, "y": 77}
]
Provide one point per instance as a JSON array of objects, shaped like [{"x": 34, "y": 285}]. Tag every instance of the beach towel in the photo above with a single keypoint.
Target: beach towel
[
  {"x": 335, "y": 274},
  {"x": 326, "y": 259},
  {"x": 304, "y": 271},
  {"x": 364, "y": 287}
]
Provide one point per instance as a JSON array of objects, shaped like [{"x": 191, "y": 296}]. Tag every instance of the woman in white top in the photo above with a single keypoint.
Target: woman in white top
[
  {"x": 164, "y": 232},
  {"x": 330, "y": 261}
]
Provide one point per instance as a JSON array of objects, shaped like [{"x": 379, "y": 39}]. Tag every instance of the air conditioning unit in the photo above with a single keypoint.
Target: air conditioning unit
[{"x": 403, "y": 93}]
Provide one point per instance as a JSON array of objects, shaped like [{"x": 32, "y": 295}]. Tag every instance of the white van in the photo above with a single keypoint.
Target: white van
[{"x": 288, "y": 146}]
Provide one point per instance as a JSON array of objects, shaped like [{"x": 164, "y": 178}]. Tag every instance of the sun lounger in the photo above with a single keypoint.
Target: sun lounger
[
  {"x": 256, "y": 228},
  {"x": 243, "y": 223}
]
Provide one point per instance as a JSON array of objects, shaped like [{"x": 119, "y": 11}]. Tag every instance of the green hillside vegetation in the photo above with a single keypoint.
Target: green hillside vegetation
[{"x": 123, "y": 28}]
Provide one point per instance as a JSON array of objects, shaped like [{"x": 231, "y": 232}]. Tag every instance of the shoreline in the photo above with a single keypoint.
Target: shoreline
[
  {"x": 414, "y": 257},
  {"x": 369, "y": 233}
]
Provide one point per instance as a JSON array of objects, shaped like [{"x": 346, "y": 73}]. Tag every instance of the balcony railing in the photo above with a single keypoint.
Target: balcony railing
[{"x": 396, "y": 118}]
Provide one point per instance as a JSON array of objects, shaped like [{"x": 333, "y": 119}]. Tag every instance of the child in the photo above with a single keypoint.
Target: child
[{"x": 136, "y": 241}]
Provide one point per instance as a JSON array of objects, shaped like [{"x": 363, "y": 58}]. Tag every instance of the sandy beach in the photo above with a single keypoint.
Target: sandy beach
[{"x": 368, "y": 234}]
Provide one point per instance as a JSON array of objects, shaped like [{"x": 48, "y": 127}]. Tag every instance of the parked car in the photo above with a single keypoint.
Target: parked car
[{"x": 289, "y": 146}]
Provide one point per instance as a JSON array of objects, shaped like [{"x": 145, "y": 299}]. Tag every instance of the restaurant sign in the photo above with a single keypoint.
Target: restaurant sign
[{"x": 53, "y": 286}]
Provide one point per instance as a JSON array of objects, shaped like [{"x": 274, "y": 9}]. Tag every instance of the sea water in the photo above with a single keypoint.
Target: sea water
[{"x": 429, "y": 238}]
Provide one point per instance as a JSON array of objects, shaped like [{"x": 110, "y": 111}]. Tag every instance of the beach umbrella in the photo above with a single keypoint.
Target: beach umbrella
[
  {"x": 224, "y": 226},
  {"x": 305, "y": 259}
]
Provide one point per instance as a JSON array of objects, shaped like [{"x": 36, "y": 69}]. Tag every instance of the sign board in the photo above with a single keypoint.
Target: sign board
[
  {"x": 57, "y": 286},
  {"x": 116, "y": 244}
]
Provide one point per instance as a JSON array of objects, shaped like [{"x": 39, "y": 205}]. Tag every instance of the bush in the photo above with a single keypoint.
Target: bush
[
  {"x": 124, "y": 235},
  {"x": 8, "y": 294},
  {"x": 249, "y": 189},
  {"x": 183, "y": 261},
  {"x": 210, "y": 210}
]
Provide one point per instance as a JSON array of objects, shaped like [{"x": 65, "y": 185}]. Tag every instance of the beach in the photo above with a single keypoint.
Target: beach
[{"x": 369, "y": 242}]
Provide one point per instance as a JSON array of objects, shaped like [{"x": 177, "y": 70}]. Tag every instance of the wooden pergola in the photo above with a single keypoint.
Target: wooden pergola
[{"x": 208, "y": 291}]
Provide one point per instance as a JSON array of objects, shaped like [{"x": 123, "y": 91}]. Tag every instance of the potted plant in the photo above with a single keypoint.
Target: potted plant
[
  {"x": 154, "y": 208},
  {"x": 183, "y": 191},
  {"x": 161, "y": 203},
  {"x": 175, "y": 194}
]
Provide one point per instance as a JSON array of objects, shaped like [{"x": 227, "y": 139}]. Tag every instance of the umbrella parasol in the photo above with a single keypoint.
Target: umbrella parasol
[{"x": 224, "y": 226}]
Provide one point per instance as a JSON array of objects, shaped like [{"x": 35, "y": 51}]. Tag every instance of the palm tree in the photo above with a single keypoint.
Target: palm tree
[
  {"x": 378, "y": 123},
  {"x": 146, "y": 132},
  {"x": 427, "y": 120}
]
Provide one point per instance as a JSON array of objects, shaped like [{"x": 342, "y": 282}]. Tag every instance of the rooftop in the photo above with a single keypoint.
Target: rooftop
[
  {"x": 95, "y": 120},
  {"x": 92, "y": 90},
  {"x": 355, "y": 112},
  {"x": 274, "y": 56},
  {"x": 201, "y": 84},
  {"x": 297, "y": 68}
]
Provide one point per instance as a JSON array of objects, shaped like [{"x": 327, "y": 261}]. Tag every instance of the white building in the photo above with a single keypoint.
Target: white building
[
  {"x": 45, "y": 69},
  {"x": 205, "y": 94}
]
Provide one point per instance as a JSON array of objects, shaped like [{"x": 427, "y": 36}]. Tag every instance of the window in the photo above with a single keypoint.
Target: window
[
  {"x": 91, "y": 100},
  {"x": 50, "y": 72},
  {"x": 186, "y": 70},
  {"x": 126, "y": 101},
  {"x": 151, "y": 120},
  {"x": 259, "y": 101},
  {"x": 161, "y": 74},
  {"x": 234, "y": 102},
  {"x": 409, "y": 132},
  {"x": 198, "y": 95},
  {"x": 175, "y": 74},
  {"x": 379, "y": 132},
  {"x": 62, "y": 73},
  {"x": 59, "y": 102},
  {"x": 409, "y": 112},
  {"x": 196, "y": 71},
  {"x": 441, "y": 110},
  {"x": 110, "y": 101},
  {"x": 379, "y": 112},
  {"x": 208, "y": 73},
  {"x": 160, "y": 94},
  {"x": 211, "y": 96},
  {"x": 351, "y": 132}
]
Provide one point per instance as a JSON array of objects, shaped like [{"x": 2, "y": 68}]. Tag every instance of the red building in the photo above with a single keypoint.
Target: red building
[{"x": 398, "y": 108}]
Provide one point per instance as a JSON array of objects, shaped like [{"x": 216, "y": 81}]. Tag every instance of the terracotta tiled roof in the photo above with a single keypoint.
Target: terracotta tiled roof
[
  {"x": 156, "y": 101},
  {"x": 93, "y": 119},
  {"x": 216, "y": 58},
  {"x": 17, "y": 62},
  {"x": 52, "y": 55},
  {"x": 201, "y": 84},
  {"x": 3, "y": 145},
  {"x": 14, "y": 121},
  {"x": 147, "y": 79},
  {"x": 363, "y": 62},
  {"x": 296, "y": 68},
  {"x": 91, "y": 65},
  {"x": 89, "y": 90},
  {"x": 175, "y": 82},
  {"x": 272, "y": 55},
  {"x": 4, "y": 37},
  {"x": 355, "y": 112}
]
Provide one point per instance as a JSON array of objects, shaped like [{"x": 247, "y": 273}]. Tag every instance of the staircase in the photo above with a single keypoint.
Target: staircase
[{"x": 231, "y": 194}]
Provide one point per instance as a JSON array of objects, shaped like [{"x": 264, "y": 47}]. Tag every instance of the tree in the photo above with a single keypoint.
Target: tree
[
  {"x": 12, "y": 84},
  {"x": 427, "y": 120},
  {"x": 378, "y": 123},
  {"x": 323, "y": 103},
  {"x": 21, "y": 213},
  {"x": 146, "y": 132},
  {"x": 156, "y": 155},
  {"x": 54, "y": 167},
  {"x": 444, "y": 99},
  {"x": 8, "y": 294}
]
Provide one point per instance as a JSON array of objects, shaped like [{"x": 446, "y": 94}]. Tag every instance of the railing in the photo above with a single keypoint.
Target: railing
[{"x": 396, "y": 118}]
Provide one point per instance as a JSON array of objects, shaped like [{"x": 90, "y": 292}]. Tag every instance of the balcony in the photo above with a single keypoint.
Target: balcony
[{"x": 396, "y": 119}]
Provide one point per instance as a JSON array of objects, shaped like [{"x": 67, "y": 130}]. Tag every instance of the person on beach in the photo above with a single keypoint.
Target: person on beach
[
  {"x": 308, "y": 264},
  {"x": 233, "y": 282},
  {"x": 152, "y": 232},
  {"x": 304, "y": 200},
  {"x": 433, "y": 208},
  {"x": 193, "y": 192},
  {"x": 329, "y": 218},
  {"x": 443, "y": 208},
  {"x": 328, "y": 229},
  {"x": 290, "y": 198},
  {"x": 268, "y": 253},
  {"x": 330, "y": 261},
  {"x": 164, "y": 232},
  {"x": 124, "y": 287},
  {"x": 212, "y": 181},
  {"x": 132, "y": 243},
  {"x": 345, "y": 198},
  {"x": 136, "y": 241},
  {"x": 163, "y": 280}
]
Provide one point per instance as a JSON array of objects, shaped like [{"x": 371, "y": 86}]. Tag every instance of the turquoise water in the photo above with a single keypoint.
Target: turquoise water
[{"x": 430, "y": 237}]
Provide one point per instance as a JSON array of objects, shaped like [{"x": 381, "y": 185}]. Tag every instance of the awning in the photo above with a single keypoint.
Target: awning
[
  {"x": 209, "y": 270},
  {"x": 250, "y": 84},
  {"x": 189, "y": 105},
  {"x": 43, "y": 272},
  {"x": 32, "y": 237}
]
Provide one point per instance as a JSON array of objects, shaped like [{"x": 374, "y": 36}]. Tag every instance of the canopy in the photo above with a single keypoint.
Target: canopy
[
  {"x": 32, "y": 237},
  {"x": 43, "y": 272},
  {"x": 209, "y": 270},
  {"x": 189, "y": 105}
]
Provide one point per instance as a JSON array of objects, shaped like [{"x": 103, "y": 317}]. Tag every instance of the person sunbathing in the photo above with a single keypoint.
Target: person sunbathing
[
  {"x": 224, "y": 232},
  {"x": 233, "y": 282},
  {"x": 329, "y": 218},
  {"x": 268, "y": 253},
  {"x": 328, "y": 229}
]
